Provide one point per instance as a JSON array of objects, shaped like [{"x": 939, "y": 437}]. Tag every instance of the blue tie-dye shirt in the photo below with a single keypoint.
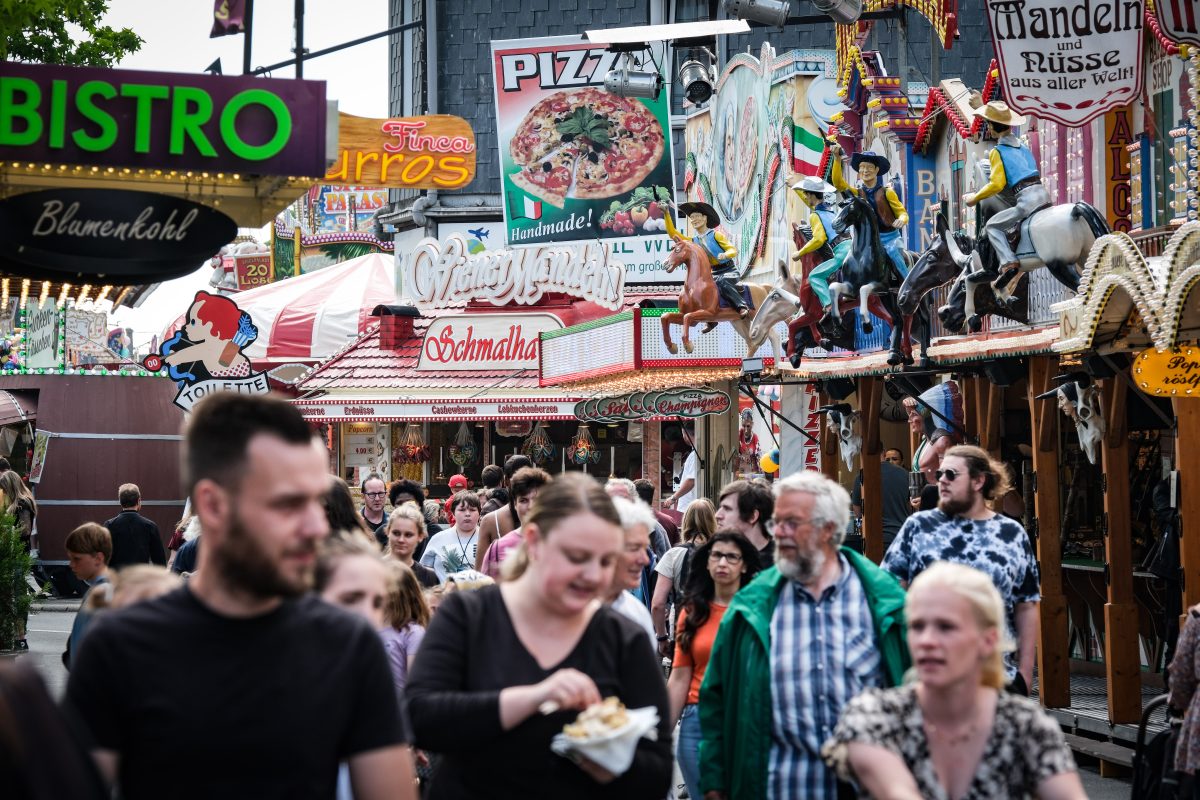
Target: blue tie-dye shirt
[{"x": 998, "y": 546}]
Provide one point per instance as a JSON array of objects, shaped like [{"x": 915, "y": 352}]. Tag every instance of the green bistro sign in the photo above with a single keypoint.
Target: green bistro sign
[{"x": 166, "y": 121}]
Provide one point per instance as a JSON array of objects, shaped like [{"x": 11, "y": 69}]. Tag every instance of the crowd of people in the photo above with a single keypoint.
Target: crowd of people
[{"x": 313, "y": 647}]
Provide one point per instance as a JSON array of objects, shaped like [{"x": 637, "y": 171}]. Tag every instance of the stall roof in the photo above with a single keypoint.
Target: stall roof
[{"x": 17, "y": 407}]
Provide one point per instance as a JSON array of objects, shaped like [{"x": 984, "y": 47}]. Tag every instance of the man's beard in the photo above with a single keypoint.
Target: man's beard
[
  {"x": 805, "y": 568},
  {"x": 953, "y": 508},
  {"x": 244, "y": 566}
]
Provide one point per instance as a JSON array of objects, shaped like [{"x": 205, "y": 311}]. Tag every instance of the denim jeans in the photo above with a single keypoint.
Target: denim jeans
[{"x": 688, "y": 749}]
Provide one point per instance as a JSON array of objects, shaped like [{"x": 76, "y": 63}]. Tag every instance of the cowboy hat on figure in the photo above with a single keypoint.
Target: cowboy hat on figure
[
  {"x": 704, "y": 220},
  {"x": 812, "y": 191},
  {"x": 890, "y": 214},
  {"x": 1013, "y": 170}
]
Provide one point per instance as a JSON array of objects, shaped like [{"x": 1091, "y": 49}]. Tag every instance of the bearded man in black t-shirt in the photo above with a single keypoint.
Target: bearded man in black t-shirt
[{"x": 261, "y": 687}]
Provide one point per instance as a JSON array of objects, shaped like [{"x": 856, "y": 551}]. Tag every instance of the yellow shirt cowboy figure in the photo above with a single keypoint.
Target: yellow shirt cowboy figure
[
  {"x": 721, "y": 253},
  {"x": 1014, "y": 170},
  {"x": 812, "y": 191},
  {"x": 890, "y": 214}
]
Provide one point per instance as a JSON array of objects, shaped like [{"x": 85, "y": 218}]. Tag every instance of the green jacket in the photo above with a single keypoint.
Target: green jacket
[{"x": 735, "y": 698}]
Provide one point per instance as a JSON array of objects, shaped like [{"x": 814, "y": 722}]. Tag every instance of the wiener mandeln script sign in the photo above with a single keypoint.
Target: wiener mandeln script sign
[
  {"x": 1068, "y": 62},
  {"x": 447, "y": 274},
  {"x": 485, "y": 341}
]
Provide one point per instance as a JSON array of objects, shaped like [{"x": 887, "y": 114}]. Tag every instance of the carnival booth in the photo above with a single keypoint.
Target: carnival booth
[
  {"x": 1062, "y": 372},
  {"x": 448, "y": 382}
]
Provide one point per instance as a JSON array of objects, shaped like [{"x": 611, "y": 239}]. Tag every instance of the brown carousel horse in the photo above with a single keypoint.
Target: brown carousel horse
[{"x": 699, "y": 302}]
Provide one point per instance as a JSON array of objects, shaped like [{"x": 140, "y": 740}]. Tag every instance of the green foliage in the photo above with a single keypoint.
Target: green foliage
[
  {"x": 15, "y": 567},
  {"x": 66, "y": 32},
  {"x": 347, "y": 251}
]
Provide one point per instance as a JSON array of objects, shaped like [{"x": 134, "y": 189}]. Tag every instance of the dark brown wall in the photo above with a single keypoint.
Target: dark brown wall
[{"x": 91, "y": 469}]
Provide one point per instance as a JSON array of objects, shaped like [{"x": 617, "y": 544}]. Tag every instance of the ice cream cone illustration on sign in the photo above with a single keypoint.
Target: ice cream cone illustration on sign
[{"x": 205, "y": 355}]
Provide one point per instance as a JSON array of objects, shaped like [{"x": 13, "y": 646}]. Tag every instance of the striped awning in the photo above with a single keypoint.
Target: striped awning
[{"x": 313, "y": 316}]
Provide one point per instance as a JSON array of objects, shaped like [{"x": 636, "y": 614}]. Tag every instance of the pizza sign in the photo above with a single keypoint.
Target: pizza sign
[{"x": 578, "y": 162}]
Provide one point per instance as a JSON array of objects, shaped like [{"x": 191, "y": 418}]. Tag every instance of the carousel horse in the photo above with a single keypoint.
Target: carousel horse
[
  {"x": 1057, "y": 237},
  {"x": 792, "y": 293},
  {"x": 868, "y": 271},
  {"x": 699, "y": 302},
  {"x": 938, "y": 265}
]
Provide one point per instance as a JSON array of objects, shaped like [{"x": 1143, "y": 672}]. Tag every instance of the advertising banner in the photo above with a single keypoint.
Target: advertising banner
[
  {"x": 207, "y": 355},
  {"x": 485, "y": 341},
  {"x": 1179, "y": 20},
  {"x": 1068, "y": 62},
  {"x": 41, "y": 335},
  {"x": 430, "y": 152},
  {"x": 161, "y": 120},
  {"x": 577, "y": 162},
  {"x": 455, "y": 271},
  {"x": 122, "y": 236}
]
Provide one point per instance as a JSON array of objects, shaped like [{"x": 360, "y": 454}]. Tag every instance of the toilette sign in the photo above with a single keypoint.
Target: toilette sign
[
  {"x": 1068, "y": 62},
  {"x": 161, "y": 120}
]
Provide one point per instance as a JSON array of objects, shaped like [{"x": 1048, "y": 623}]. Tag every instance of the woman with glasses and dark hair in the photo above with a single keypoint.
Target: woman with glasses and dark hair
[{"x": 721, "y": 566}]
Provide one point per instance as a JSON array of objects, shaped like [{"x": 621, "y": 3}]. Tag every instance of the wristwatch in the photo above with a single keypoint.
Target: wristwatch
[{"x": 664, "y": 638}]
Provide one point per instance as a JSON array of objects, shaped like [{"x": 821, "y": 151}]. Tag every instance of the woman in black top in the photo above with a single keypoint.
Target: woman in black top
[{"x": 558, "y": 645}]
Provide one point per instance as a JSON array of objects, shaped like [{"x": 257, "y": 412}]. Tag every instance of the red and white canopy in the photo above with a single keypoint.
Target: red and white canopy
[{"x": 312, "y": 316}]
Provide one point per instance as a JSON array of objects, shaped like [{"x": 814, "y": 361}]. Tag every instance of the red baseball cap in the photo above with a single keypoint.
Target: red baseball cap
[{"x": 459, "y": 482}]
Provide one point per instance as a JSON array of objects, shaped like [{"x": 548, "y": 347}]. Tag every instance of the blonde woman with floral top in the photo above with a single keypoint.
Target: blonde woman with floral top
[{"x": 954, "y": 734}]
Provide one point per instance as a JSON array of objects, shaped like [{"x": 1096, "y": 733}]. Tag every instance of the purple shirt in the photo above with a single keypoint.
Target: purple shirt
[{"x": 400, "y": 646}]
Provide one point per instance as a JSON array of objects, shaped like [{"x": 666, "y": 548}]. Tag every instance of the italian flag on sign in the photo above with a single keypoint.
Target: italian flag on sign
[
  {"x": 521, "y": 206},
  {"x": 807, "y": 148}
]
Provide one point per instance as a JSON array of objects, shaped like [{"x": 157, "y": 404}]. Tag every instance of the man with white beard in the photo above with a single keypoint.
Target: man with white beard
[{"x": 801, "y": 639}]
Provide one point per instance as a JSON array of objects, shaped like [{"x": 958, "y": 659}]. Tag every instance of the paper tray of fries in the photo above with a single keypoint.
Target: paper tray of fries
[{"x": 607, "y": 734}]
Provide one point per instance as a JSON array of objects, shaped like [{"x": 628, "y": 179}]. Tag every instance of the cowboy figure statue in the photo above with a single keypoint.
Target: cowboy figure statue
[
  {"x": 1014, "y": 171},
  {"x": 889, "y": 211},
  {"x": 721, "y": 253},
  {"x": 824, "y": 241}
]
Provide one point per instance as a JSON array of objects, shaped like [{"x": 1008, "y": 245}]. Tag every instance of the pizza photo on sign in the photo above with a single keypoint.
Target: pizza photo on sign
[
  {"x": 585, "y": 144},
  {"x": 578, "y": 162}
]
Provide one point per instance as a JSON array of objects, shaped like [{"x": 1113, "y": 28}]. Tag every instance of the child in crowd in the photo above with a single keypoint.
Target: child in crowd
[
  {"x": 405, "y": 616},
  {"x": 89, "y": 547}
]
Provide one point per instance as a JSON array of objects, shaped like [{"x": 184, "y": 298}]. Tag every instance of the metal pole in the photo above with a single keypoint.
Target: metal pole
[
  {"x": 299, "y": 51},
  {"x": 247, "y": 37}
]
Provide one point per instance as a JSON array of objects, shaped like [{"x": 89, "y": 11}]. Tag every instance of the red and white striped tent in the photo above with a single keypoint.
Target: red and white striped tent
[{"x": 311, "y": 317}]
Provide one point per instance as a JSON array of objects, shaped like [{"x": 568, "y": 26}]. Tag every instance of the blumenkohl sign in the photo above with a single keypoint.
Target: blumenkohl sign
[
  {"x": 1068, "y": 62},
  {"x": 159, "y": 120},
  {"x": 124, "y": 236},
  {"x": 448, "y": 273}
]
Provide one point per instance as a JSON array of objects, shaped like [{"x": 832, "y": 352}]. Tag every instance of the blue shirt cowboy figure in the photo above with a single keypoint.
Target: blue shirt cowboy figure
[
  {"x": 1015, "y": 172},
  {"x": 721, "y": 253},
  {"x": 890, "y": 214},
  {"x": 812, "y": 191}
]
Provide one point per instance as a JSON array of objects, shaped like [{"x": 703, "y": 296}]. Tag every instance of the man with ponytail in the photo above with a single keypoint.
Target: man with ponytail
[{"x": 966, "y": 529}]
